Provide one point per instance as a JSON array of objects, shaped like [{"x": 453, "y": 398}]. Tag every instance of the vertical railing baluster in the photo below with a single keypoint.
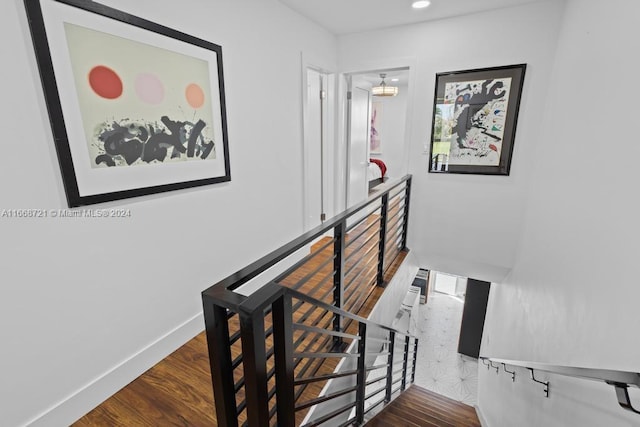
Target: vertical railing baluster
[
  {"x": 217, "y": 330},
  {"x": 361, "y": 376},
  {"x": 219, "y": 301},
  {"x": 338, "y": 278},
  {"x": 405, "y": 363},
  {"x": 382, "y": 242},
  {"x": 282, "y": 316},
  {"x": 392, "y": 346},
  {"x": 254, "y": 360},
  {"x": 415, "y": 358},
  {"x": 405, "y": 225}
]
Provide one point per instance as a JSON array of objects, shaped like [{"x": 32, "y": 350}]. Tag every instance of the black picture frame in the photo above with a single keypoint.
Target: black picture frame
[
  {"x": 135, "y": 148},
  {"x": 473, "y": 126}
]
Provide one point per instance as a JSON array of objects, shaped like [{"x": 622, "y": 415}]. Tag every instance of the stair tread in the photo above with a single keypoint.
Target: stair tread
[{"x": 420, "y": 407}]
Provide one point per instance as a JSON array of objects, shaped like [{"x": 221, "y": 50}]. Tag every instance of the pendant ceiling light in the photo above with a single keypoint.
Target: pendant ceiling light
[{"x": 383, "y": 89}]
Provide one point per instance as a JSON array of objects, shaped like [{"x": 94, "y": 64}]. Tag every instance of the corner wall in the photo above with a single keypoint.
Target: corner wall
[
  {"x": 467, "y": 225},
  {"x": 572, "y": 297},
  {"x": 88, "y": 304}
]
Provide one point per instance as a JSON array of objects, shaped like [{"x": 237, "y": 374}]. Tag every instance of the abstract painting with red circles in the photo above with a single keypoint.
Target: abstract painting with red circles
[{"x": 138, "y": 105}]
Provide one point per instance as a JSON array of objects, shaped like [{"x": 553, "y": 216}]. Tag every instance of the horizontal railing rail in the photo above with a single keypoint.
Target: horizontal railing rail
[
  {"x": 620, "y": 380},
  {"x": 355, "y": 381},
  {"x": 261, "y": 265},
  {"x": 292, "y": 348}
]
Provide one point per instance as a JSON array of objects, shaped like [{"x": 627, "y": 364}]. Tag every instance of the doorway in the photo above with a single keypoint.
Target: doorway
[
  {"x": 449, "y": 284},
  {"x": 376, "y": 144},
  {"x": 441, "y": 367}
]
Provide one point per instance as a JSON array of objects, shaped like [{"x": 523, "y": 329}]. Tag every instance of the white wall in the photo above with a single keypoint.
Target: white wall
[
  {"x": 572, "y": 297},
  {"x": 571, "y": 402},
  {"x": 93, "y": 303},
  {"x": 466, "y": 225},
  {"x": 391, "y": 127}
]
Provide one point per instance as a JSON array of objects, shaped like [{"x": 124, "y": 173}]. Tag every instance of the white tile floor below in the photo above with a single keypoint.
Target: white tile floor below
[{"x": 440, "y": 367}]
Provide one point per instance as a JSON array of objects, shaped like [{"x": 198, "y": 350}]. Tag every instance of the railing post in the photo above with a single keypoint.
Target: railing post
[
  {"x": 382, "y": 242},
  {"x": 217, "y": 327},
  {"x": 415, "y": 358},
  {"x": 405, "y": 363},
  {"x": 361, "y": 376},
  {"x": 282, "y": 316},
  {"x": 392, "y": 346},
  {"x": 338, "y": 278},
  {"x": 254, "y": 361},
  {"x": 405, "y": 225}
]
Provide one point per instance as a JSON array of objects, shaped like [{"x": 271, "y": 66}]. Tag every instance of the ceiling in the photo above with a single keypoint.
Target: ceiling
[
  {"x": 352, "y": 16},
  {"x": 393, "y": 77}
]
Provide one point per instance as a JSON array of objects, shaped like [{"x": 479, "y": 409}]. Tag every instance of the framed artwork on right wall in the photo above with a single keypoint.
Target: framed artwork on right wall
[{"x": 474, "y": 120}]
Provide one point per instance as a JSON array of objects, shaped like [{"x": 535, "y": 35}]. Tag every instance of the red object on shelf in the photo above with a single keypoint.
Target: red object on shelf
[{"x": 381, "y": 165}]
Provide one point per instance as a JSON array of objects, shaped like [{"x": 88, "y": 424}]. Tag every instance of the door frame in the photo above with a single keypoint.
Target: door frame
[
  {"x": 344, "y": 81},
  {"x": 326, "y": 178},
  {"x": 349, "y": 142}
]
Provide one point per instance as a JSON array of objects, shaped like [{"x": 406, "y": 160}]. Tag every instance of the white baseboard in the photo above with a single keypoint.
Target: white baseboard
[
  {"x": 481, "y": 418},
  {"x": 97, "y": 391}
]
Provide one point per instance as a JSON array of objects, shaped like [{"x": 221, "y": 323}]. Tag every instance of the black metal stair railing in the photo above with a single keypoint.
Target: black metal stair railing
[
  {"x": 361, "y": 358},
  {"x": 294, "y": 350}
]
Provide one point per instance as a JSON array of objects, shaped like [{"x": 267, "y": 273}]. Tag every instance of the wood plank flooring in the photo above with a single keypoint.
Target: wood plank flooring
[
  {"x": 177, "y": 391},
  {"x": 417, "y": 407}
]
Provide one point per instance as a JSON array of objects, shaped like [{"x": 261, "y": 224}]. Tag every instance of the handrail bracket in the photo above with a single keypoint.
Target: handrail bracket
[
  {"x": 513, "y": 373},
  {"x": 486, "y": 363},
  {"x": 622, "y": 393},
  {"x": 546, "y": 384}
]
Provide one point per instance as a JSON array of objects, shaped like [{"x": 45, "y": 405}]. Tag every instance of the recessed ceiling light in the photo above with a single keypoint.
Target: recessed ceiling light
[
  {"x": 420, "y": 4},
  {"x": 395, "y": 80}
]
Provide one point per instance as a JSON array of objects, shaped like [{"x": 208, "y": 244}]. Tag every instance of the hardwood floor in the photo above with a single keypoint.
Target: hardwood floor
[
  {"x": 417, "y": 407},
  {"x": 175, "y": 392},
  {"x": 178, "y": 392}
]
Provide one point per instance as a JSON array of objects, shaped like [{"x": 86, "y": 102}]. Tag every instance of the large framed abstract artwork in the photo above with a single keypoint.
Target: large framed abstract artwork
[
  {"x": 136, "y": 108},
  {"x": 474, "y": 120}
]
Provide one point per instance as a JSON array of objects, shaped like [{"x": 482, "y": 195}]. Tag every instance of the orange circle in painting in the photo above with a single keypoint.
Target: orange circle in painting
[
  {"x": 195, "y": 95},
  {"x": 105, "y": 82}
]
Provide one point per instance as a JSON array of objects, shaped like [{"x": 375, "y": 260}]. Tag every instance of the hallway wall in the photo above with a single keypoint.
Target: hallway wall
[
  {"x": 391, "y": 126},
  {"x": 467, "y": 225},
  {"x": 88, "y": 304},
  {"x": 572, "y": 297}
]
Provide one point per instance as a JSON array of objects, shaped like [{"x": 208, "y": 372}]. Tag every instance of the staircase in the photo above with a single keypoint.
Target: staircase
[
  {"x": 290, "y": 350},
  {"x": 299, "y": 351},
  {"x": 422, "y": 408}
]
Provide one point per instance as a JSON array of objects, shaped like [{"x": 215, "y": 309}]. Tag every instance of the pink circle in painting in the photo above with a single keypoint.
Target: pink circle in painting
[
  {"x": 195, "y": 95},
  {"x": 105, "y": 82},
  {"x": 149, "y": 88}
]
